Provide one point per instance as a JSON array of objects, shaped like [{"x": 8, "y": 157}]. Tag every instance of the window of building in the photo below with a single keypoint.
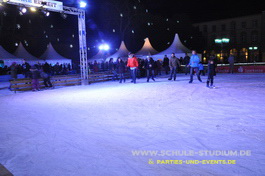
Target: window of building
[
  {"x": 214, "y": 28},
  {"x": 233, "y": 25},
  {"x": 223, "y": 27},
  {"x": 204, "y": 28},
  {"x": 243, "y": 37},
  {"x": 244, "y": 55},
  {"x": 254, "y": 36},
  {"x": 255, "y": 23},
  {"x": 244, "y": 24}
]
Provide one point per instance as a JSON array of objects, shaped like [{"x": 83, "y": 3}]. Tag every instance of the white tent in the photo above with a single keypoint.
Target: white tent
[
  {"x": 146, "y": 50},
  {"x": 122, "y": 53},
  {"x": 176, "y": 47},
  {"x": 21, "y": 52},
  {"x": 52, "y": 57},
  {"x": 99, "y": 57},
  {"x": 9, "y": 58}
]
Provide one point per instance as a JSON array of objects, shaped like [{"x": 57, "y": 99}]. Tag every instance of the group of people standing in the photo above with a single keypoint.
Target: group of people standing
[
  {"x": 192, "y": 63},
  {"x": 34, "y": 72}
]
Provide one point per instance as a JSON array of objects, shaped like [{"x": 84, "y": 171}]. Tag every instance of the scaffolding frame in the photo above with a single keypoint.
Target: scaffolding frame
[{"x": 81, "y": 14}]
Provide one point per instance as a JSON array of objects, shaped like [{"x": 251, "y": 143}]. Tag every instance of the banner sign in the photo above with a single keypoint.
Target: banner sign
[
  {"x": 46, "y": 4},
  {"x": 242, "y": 69}
]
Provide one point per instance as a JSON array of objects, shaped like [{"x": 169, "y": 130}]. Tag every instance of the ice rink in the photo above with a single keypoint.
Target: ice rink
[{"x": 162, "y": 128}]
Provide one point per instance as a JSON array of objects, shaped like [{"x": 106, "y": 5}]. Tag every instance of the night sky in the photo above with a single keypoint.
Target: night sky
[{"x": 157, "y": 19}]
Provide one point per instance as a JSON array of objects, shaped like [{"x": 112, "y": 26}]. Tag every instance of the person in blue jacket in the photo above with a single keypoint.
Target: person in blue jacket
[{"x": 194, "y": 66}]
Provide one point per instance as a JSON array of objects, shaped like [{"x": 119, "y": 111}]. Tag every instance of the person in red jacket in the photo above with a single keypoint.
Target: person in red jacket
[{"x": 133, "y": 64}]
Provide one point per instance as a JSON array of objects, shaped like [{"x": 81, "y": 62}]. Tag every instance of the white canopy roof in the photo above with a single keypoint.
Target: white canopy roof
[
  {"x": 176, "y": 47},
  {"x": 21, "y": 52},
  {"x": 122, "y": 53},
  {"x": 52, "y": 57},
  {"x": 9, "y": 58},
  {"x": 99, "y": 57},
  {"x": 147, "y": 49}
]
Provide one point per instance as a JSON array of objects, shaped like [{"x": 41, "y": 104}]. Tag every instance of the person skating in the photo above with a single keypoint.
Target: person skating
[
  {"x": 166, "y": 64},
  {"x": 194, "y": 66},
  {"x": 149, "y": 66},
  {"x": 211, "y": 72},
  {"x": 231, "y": 60},
  {"x": 133, "y": 64},
  {"x": 35, "y": 75},
  {"x": 173, "y": 64},
  {"x": 121, "y": 69}
]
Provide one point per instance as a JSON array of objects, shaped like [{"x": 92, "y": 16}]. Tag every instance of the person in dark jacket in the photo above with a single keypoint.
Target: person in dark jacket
[
  {"x": 25, "y": 69},
  {"x": 112, "y": 69},
  {"x": 35, "y": 75},
  {"x": 149, "y": 66},
  {"x": 13, "y": 70},
  {"x": 166, "y": 64},
  {"x": 173, "y": 64},
  {"x": 121, "y": 69},
  {"x": 46, "y": 78},
  {"x": 211, "y": 72}
]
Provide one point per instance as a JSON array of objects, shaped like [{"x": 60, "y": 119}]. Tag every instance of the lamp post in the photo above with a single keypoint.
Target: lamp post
[{"x": 222, "y": 41}]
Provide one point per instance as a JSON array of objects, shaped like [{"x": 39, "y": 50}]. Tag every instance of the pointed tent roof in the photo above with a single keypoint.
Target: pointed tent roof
[
  {"x": 21, "y": 52},
  {"x": 176, "y": 47},
  {"x": 100, "y": 56},
  {"x": 122, "y": 52},
  {"x": 9, "y": 58},
  {"x": 5, "y": 54},
  {"x": 147, "y": 49},
  {"x": 52, "y": 57}
]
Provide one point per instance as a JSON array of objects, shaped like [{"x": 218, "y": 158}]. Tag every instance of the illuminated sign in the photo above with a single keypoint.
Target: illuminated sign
[{"x": 47, "y": 4}]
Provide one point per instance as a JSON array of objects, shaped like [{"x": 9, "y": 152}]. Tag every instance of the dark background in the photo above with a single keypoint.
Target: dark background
[{"x": 157, "y": 19}]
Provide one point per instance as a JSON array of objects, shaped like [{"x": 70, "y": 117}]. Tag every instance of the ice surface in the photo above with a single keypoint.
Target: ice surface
[{"x": 92, "y": 130}]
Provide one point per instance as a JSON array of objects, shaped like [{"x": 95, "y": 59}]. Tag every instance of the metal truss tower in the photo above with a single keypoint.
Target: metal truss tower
[{"x": 81, "y": 32}]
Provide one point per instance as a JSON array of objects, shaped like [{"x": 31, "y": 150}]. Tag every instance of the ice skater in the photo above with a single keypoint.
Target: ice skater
[
  {"x": 133, "y": 65},
  {"x": 173, "y": 64},
  {"x": 121, "y": 69},
  {"x": 149, "y": 66},
  {"x": 194, "y": 66},
  {"x": 211, "y": 73},
  {"x": 35, "y": 75}
]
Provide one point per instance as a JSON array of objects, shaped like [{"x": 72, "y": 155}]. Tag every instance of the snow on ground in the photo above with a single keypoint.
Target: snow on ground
[{"x": 93, "y": 130}]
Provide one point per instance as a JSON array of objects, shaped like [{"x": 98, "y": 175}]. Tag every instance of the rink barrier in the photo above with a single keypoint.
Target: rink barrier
[
  {"x": 102, "y": 77},
  {"x": 60, "y": 80}
]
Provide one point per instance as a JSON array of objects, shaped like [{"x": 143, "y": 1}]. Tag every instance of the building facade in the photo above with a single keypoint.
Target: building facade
[{"x": 244, "y": 37}]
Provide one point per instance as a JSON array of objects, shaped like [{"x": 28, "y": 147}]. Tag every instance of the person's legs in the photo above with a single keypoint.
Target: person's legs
[
  {"x": 212, "y": 80},
  {"x": 197, "y": 73},
  {"x": 175, "y": 73},
  {"x": 148, "y": 74},
  {"x": 34, "y": 84},
  {"x": 134, "y": 75},
  {"x": 152, "y": 75},
  {"x": 191, "y": 75},
  {"x": 171, "y": 73}
]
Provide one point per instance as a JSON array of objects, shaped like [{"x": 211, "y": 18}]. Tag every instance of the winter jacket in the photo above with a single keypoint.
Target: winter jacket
[
  {"x": 201, "y": 66},
  {"x": 132, "y": 62},
  {"x": 120, "y": 67},
  {"x": 211, "y": 69},
  {"x": 150, "y": 64},
  {"x": 194, "y": 61},
  {"x": 174, "y": 62}
]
